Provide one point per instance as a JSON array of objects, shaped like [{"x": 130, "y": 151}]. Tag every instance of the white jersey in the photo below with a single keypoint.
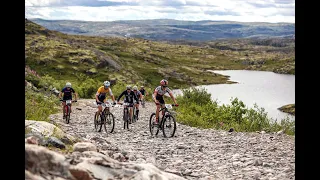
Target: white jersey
[{"x": 161, "y": 92}]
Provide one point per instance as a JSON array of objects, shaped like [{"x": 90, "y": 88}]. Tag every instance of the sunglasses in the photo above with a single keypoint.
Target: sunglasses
[
  {"x": 164, "y": 86},
  {"x": 128, "y": 89}
]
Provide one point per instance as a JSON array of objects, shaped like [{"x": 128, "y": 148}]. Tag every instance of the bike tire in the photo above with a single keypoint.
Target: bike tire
[
  {"x": 152, "y": 126},
  {"x": 134, "y": 116},
  {"x": 100, "y": 124},
  {"x": 125, "y": 119},
  {"x": 95, "y": 121},
  {"x": 174, "y": 124},
  {"x": 68, "y": 114},
  {"x": 109, "y": 117}
]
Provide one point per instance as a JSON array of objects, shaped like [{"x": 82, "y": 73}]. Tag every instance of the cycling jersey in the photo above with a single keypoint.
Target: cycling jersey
[
  {"x": 143, "y": 91},
  {"x": 137, "y": 93},
  {"x": 102, "y": 92},
  {"x": 67, "y": 93},
  {"x": 129, "y": 97},
  {"x": 161, "y": 92}
]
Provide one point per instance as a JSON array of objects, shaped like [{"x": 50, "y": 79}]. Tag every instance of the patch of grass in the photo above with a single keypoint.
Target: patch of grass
[{"x": 38, "y": 106}]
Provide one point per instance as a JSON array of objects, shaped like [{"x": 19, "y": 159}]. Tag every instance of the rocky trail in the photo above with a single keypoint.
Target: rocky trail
[{"x": 192, "y": 153}]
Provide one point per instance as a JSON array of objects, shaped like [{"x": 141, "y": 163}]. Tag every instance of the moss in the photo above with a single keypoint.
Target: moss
[{"x": 289, "y": 108}]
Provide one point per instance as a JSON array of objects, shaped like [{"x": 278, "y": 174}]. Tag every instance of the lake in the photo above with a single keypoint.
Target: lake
[{"x": 267, "y": 89}]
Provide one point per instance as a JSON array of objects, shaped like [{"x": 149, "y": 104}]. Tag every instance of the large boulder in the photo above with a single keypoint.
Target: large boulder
[{"x": 42, "y": 163}]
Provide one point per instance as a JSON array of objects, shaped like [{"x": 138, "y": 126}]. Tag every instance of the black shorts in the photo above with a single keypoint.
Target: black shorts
[
  {"x": 67, "y": 98},
  {"x": 160, "y": 99}
]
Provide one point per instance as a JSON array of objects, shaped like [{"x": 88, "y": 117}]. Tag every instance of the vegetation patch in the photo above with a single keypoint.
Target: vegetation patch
[
  {"x": 289, "y": 108},
  {"x": 197, "y": 109}
]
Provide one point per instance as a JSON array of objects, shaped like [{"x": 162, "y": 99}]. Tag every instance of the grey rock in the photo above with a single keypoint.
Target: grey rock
[{"x": 56, "y": 142}]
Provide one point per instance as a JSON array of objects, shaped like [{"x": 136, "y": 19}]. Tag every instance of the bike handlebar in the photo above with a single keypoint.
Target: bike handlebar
[
  {"x": 171, "y": 104},
  {"x": 67, "y": 100}
]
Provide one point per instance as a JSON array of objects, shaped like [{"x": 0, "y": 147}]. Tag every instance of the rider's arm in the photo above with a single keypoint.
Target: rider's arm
[
  {"x": 97, "y": 94},
  {"x": 154, "y": 95},
  {"x": 75, "y": 94},
  {"x": 111, "y": 95},
  {"x": 121, "y": 96},
  {"x": 172, "y": 97},
  {"x": 60, "y": 93}
]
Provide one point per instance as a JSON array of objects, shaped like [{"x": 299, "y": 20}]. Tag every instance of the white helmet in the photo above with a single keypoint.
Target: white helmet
[
  {"x": 142, "y": 86},
  {"x": 68, "y": 84},
  {"x": 135, "y": 88},
  {"x": 128, "y": 87},
  {"x": 106, "y": 84}
]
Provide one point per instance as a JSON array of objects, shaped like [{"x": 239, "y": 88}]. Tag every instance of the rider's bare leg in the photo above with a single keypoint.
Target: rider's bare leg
[{"x": 137, "y": 111}]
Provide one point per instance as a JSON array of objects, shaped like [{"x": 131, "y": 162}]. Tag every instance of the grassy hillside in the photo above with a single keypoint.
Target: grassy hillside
[{"x": 144, "y": 62}]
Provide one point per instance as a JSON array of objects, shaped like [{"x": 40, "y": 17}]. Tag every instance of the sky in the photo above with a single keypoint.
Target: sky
[{"x": 193, "y": 10}]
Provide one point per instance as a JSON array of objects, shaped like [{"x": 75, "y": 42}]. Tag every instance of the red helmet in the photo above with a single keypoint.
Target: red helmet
[{"x": 163, "y": 82}]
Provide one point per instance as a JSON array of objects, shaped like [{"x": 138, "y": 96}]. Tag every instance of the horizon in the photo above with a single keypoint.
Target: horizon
[
  {"x": 266, "y": 11},
  {"x": 162, "y": 19}
]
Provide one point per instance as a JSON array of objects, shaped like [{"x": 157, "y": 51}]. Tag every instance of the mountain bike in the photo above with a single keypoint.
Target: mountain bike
[
  {"x": 67, "y": 109},
  {"x": 143, "y": 102},
  {"x": 106, "y": 118},
  {"x": 167, "y": 122},
  {"x": 126, "y": 114}
]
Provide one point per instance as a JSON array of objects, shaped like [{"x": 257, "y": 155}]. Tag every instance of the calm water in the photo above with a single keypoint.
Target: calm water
[{"x": 267, "y": 89}]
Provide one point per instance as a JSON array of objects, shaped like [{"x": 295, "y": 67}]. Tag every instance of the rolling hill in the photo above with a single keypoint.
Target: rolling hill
[
  {"x": 167, "y": 29},
  {"x": 135, "y": 60}
]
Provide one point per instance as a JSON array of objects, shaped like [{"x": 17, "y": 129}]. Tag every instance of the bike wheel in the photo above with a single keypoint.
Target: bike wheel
[
  {"x": 134, "y": 115},
  {"x": 101, "y": 122},
  {"x": 168, "y": 126},
  {"x": 154, "y": 129},
  {"x": 109, "y": 122},
  {"x": 68, "y": 114},
  {"x": 96, "y": 121},
  {"x": 125, "y": 119}
]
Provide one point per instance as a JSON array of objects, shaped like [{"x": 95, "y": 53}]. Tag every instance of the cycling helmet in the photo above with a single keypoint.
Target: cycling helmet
[
  {"x": 163, "y": 82},
  {"x": 68, "y": 84},
  {"x": 106, "y": 84},
  {"x": 128, "y": 87},
  {"x": 142, "y": 86},
  {"x": 135, "y": 88}
]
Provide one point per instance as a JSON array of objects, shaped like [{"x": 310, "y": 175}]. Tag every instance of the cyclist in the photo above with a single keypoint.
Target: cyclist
[
  {"x": 129, "y": 97},
  {"x": 157, "y": 96},
  {"x": 139, "y": 96},
  {"x": 143, "y": 91},
  {"x": 101, "y": 95},
  {"x": 67, "y": 92}
]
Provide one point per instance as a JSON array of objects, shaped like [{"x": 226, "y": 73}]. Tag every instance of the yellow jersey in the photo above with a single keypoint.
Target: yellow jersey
[{"x": 102, "y": 93}]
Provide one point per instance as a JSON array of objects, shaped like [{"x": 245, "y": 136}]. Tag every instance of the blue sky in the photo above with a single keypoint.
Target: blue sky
[{"x": 194, "y": 10}]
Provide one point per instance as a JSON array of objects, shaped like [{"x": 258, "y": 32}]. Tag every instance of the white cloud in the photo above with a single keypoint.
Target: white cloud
[{"x": 111, "y": 10}]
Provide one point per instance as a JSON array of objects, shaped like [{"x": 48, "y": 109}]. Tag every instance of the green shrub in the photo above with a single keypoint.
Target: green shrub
[
  {"x": 197, "y": 109},
  {"x": 38, "y": 106}
]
